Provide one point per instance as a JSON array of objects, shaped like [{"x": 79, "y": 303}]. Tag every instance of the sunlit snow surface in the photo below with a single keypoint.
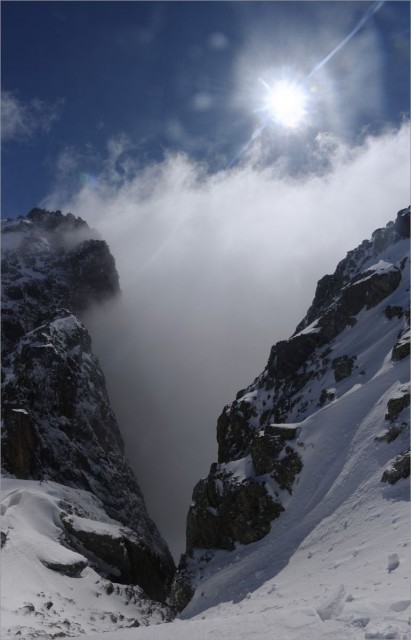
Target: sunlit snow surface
[
  {"x": 38, "y": 602},
  {"x": 334, "y": 566}
]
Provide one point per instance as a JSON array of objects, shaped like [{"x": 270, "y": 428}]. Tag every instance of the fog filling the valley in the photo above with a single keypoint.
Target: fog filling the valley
[{"x": 214, "y": 269}]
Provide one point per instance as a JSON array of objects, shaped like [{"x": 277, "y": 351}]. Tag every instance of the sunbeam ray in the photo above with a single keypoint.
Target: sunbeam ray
[
  {"x": 360, "y": 24},
  {"x": 365, "y": 18}
]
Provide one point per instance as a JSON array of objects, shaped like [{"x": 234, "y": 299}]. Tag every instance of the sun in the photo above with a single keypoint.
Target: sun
[{"x": 286, "y": 103}]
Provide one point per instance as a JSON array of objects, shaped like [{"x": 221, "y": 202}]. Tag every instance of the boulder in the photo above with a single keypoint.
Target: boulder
[
  {"x": 343, "y": 367},
  {"x": 73, "y": 569},
  {"x": 391, "y": 433},
  {"x": 401, "y": 348},
  {"x": 325, "y": 396},
  {"x": 396, "y": 405},
  {"x": 398, "y": 468}
]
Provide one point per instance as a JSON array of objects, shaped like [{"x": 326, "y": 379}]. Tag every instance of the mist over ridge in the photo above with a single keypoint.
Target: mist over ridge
[{"x": 214, "y": 269}]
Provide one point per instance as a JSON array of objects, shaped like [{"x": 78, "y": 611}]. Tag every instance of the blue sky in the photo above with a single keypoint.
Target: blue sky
[{"x": 185, "y": 76}]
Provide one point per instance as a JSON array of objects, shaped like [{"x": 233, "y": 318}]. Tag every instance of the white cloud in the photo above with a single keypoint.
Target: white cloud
[
  {"x": 22, "y": 120},
  {"x": 214, "y": 269}
]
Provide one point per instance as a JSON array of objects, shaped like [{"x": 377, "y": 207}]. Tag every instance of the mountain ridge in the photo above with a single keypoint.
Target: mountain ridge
[
  {"x": 261, "y": 448},
  {"x": 58, "y": 425}
]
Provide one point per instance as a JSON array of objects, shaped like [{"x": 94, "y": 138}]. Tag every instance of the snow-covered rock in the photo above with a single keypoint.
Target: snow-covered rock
[
  {"x": 58, "y": 425},
  {"x": 53, "y": 584},
  {"x": 314, "y": 434}
]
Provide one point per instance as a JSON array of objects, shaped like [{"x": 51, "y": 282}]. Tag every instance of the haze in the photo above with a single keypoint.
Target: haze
[{"x": 215, "y": 268}]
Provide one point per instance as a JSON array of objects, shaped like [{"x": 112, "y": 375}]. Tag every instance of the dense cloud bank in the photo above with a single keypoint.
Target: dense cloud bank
[{"x": 214, "y": 269}]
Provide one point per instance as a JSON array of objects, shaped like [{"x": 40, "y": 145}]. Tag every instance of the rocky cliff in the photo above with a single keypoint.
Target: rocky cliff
[
  {"x": 262, "y": 434},
  {"x": 58, "y": 423}
]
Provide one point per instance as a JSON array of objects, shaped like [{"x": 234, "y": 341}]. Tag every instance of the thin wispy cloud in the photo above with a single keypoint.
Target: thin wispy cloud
[
  {"x": 22, "y": 120},
  {"x": 214, "y": 268}
]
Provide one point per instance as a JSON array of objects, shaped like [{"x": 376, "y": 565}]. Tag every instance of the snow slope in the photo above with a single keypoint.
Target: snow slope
[
  {"x": 336, "y": 562},
  {"x": 47, "y": 587}
]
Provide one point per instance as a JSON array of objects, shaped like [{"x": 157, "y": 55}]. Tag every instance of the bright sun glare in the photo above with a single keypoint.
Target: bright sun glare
[{"x": 286, "y": 103}]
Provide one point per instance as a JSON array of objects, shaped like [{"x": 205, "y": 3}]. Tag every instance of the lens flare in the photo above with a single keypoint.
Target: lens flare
[{"x": 287, "y": 104}]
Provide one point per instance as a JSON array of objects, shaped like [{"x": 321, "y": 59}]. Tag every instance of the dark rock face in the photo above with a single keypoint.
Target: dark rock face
[
  {"x": 234, "y": 433},
  {"x": 398, "y": 469},
  {"x": 132, "y": 561},
  {"x": 325, "y": 396},
  {"x": 20, "y": 443},
  {"x": 225, "y": 512},
  {"x": 264, "y": 451},
  {"x": 93, "y": 269},
  {"x": 68, "y": 267},
  {"x": 288, "y": 356},
  {"x": 3, "y": 538},
  {"x": 401, "y": 348},
  {"x": 396, "y": 405},
  {"x": 287, "y": 468},
  {"x": 181, "y": 591},
  {"x": 369, "y": 290},
  {"x": 72, "y": 570},
  {"x": 343, "y": 367},
  {"x": 58, "y": 423},
  {"x": 55, "y": 221},
  {"x": 259, "y": 441},
  {"x": 395, "y": 311},
  {"x": 392, "y": 433}
]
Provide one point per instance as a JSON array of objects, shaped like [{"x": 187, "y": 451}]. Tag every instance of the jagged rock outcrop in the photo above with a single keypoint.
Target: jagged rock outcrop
[
  {"x": 398, "y": 468},
  {"x": 58, "y": 423},
  {"x": 397, "y": 404},
  {"x": 260, "y": 439},
  {"x": 51, "y": 261},
  {"x": 227, "y": 511}
]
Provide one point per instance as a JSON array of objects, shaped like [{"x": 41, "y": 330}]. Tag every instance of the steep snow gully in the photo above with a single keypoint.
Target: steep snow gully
[{"x": 301, "y": 529}]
